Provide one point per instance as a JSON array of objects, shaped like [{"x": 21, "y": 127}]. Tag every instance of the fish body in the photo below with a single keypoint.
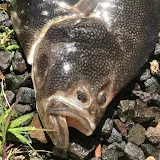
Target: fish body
[{"x": 82, "y": 53}]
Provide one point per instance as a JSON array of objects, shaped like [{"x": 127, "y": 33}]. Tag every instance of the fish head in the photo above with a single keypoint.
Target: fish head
[{"x": 73, "y": 87}]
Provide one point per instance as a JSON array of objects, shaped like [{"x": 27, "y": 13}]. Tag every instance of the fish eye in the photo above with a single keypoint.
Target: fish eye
[
  {"x": 81, "y": 96},
  {"x": 102, "y": 97}
]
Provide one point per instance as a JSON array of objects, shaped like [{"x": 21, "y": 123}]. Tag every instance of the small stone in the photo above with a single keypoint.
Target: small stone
[
  {"x": 21, "y": 109},
  {"x": 4, "y": 20},
  {"x": 107, "y": 127},
  {"x": 14, "y": 82},
  {"x": 150, "y": 158},
  {"x": 10, "y": 97},
  {"x": 151, "y": 85},
  {"x": 149, "y": 150},
  {"x": 110, "y": 154},
  {"x": 5, "y": 60},
  {"x": 27, "y": 96},
  {"x": 115, "y": 136},
  {"x": 77, "y": 151},
  {"x": 146, "y": 75},
  {"x": 3, "y": 16},
  {"x": 137, "y": 134},
  {"x": 157, "y": 49},
  {"x": 153, "y": 134},
  {"x": 147, "y": 97},
  {"x": 126, "y": 109},
  {"x": 121, "y": 127},
  {"x": 143, "y": 113},
  {"x": 133, "y": 152},
  {"x": 18, "y": 63},
  {"x": 117, "y": 146}
]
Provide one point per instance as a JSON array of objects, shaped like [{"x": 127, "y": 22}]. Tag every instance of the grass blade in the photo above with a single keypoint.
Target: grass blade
[{"x": 18, "y": 121}]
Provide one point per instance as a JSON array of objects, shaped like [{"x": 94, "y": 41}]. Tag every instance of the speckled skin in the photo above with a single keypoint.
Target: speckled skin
[{"x": 96, "y": 53}]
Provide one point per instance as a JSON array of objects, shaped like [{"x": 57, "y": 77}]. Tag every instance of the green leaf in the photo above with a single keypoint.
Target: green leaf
[
  {"x": 5, "y": 114},
  {"x": 21, "y": 138},
  {"x": 18, "y": 121},
  {"x": 0, "y": 135},
  {"x": 21, "y": 129},
  {"x": 11, "y": 47}
]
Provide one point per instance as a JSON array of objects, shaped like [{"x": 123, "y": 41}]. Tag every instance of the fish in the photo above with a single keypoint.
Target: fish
[{"x": 83, "y": 52}]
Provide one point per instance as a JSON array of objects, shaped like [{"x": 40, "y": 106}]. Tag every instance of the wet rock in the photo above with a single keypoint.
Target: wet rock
[
  {"x": 126, "y": 109},
  {"x": 18, "y": 63},
  {"x": 121, "y": 127},
  {"x": 151, "y": 85},
  {"x": 146, "y": 75},
  {"x": 14, "y": 82},
  {"x": 134, "y": 152},
  {"x": 77, "y": 151},
  {"x": 157, "y": 49},
  {"x": 137, "y": 134},
  {"x": 115, "y": 136},
  {"x": 5, "y": 60},
  {"x": 107, "y": 127},
  {"x": 110, "y": 153},
  {"x": 22, "y": 109},
  {"x": 153, "y": 134},
  {"x": 143, "y": 113},
  {"x": 149, "y": 150},
  {"x": 27, "y": 96},
  {"x": 147, "y": 97},
  {"x": 10, "y": 98}
]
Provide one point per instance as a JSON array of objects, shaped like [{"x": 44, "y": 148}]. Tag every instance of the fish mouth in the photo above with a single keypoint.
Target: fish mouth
[{"x": 67, "y": 115}]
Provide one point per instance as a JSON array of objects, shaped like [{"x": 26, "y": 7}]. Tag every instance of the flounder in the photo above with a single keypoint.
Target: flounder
[{"x": 82, "y": 53}]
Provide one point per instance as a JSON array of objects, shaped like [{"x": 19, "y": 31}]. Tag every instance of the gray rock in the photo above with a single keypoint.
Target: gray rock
[
  {"x": 143, "y": 113},
  {"x": 77, "y": 151},
  {"x": 27, "y": 96},
  {"x": 126, "y": 109},
  {"x": 147, "y": 97},
  {"x": 107, "y": 127},
  {"x": 115, "y": 136},
  {"x": 137, "y": 134},
  {"x": 5, "y": 60},
  {"x": 4, "y": 20},
  {"x": 157, "y": 49},
  {"x": 149, "y": 150},
  {"x": 10, "y": 97},
  {"x": 14, "y": 82},
  {"x": 117, "y": 146},
  {"x": 151, "y": 85},
  {"x": 146, "y": 75},
  {"x": 22, "y": 109},
  {"x": 18, "y": 63},
  {"x": 110, "y": 153},
  {"x": 133, "y": 152}
]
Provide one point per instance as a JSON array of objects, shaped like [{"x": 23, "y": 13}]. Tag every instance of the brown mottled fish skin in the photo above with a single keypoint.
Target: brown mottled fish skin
[{"x": 83, "y": 59}]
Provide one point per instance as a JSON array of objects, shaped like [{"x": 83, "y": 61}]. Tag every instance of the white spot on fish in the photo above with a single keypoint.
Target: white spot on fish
[{"x": 45, "y": 13}]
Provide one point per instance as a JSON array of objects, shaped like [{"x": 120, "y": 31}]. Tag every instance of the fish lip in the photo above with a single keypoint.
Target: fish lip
[{"x": 62, "y": 110}]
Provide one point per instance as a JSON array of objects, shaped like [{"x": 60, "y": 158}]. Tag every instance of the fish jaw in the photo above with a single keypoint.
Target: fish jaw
[{"x": 57, "y": 113}]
